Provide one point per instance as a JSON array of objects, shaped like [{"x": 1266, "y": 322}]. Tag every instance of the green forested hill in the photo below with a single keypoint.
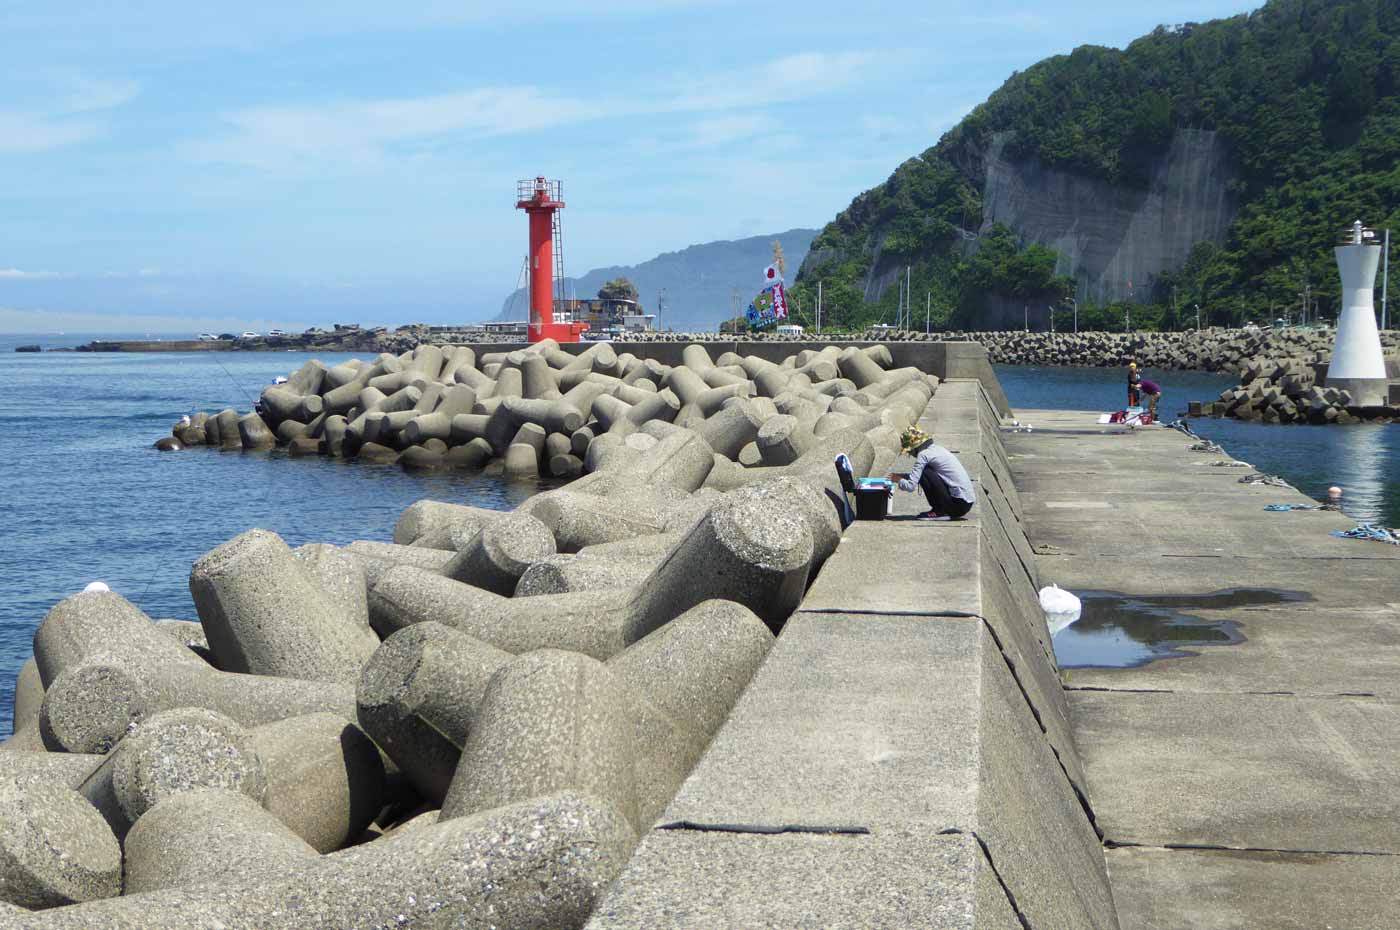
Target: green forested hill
[{"x": 1304, "y": 94}]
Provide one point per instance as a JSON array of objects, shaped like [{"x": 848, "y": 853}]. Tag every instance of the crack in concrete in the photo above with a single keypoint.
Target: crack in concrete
[
  {"x": 764, "y": 829},
  {"x": 991, "y": 864},
  {"x": 1298, "y": 694},
  {"x": 1081, "y": 796},
  {"x": 1211, "y": 847}
]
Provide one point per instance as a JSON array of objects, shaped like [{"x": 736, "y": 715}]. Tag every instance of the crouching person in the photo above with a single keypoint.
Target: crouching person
[{"x": 939, "y": 473}]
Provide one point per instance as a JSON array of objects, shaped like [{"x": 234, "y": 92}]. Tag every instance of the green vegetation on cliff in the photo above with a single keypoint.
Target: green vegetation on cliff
[{"x": 1304, "y": 93}]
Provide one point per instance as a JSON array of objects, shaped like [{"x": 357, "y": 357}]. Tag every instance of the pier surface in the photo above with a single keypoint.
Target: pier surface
[{"x": 1254, "y": 784}]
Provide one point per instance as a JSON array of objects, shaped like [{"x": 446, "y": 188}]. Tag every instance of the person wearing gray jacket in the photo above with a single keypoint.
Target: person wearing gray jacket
[{"x": 939, "y": 474}]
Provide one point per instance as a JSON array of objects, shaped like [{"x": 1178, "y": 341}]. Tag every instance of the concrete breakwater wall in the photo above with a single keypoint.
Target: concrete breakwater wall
[
  {"x": 479, "y": 722},
  {"x": 539, "y": 410}
]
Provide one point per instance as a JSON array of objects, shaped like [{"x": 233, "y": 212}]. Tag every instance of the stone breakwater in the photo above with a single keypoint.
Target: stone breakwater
[
  {"x": 471, "y": 725},
  {"x": 1206, "y": 350},
  {"x": 542, "y": 412},
  {"x": 1290, "y": 390}
]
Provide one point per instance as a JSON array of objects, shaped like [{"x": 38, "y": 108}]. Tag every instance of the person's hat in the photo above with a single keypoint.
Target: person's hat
[
  {"x": 911, "y": 439},
  {"x": 1132, "y": 364}
]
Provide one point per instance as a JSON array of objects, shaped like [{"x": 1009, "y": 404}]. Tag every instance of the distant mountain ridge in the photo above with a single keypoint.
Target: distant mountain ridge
[{"x": 699, "y": 281}]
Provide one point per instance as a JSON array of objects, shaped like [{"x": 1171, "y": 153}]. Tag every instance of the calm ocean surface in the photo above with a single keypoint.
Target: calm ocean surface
[{"x": 86, "y": 497}]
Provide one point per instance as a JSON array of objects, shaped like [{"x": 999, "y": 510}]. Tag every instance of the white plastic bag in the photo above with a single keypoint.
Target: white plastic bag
[{"x": 1060, "y": 607}]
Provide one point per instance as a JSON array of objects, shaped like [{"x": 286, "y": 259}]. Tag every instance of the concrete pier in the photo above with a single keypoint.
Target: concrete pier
[
  {"x": 1238, "y": 786},
  {"x": 903, "y": 756}
]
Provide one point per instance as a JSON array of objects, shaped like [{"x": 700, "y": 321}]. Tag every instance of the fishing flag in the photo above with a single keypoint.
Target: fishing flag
[{"x": 769, "y": 306}]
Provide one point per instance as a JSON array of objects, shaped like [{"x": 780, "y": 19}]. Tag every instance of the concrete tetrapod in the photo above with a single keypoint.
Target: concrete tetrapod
[
  {"x": 695, "y": 667},
  {"x": 173, "y": 752},
  {"x": 325, "y": 779},
  {"x": 496, "y": 557},
  {"x": 417, "y": 696},
  {"x": 342, "y": 579},
  {"x": 87, "y": 624},
  {"x": 564, "y": 852},
  {"x": 430, "y": 524},
  {"x": 754, "y": 548},
  {"x": 207, "y": 836},
  {"x": 69, "y": 769},
  {"x": 90, "y": 706},
  {"x": 549, "y": 721},
  {"x": 264, "y": 614},
  {"x": 54, "y": 849}
]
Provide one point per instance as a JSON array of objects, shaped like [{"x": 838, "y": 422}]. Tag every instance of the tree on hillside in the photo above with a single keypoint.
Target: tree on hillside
[{"x": 618, "y": 289}]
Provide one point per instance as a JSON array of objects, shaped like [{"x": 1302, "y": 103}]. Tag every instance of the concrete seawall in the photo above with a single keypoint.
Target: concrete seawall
[{"x": 903, "y": 757}]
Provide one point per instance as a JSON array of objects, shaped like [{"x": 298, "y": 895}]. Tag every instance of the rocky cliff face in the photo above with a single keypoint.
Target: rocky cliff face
[{"x": 1114, "y": 240}]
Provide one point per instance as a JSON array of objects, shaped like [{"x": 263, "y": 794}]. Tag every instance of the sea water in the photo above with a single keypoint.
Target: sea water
[{"x": 86, "y": 497}]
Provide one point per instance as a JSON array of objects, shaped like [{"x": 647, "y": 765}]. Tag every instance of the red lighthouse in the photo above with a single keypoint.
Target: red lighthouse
[{"x": 541, "y": 201}]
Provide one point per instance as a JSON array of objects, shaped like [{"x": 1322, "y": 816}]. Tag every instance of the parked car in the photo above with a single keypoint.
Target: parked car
[
  {"x": 275, "y": 332},
  {"x": 250, "y": 336},
  {"x": 208, "y": 337},
  {"x": 228, "y": 336}
]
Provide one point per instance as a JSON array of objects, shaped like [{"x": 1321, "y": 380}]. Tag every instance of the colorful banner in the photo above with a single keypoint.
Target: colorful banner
[{"x": 768, "y": 307}]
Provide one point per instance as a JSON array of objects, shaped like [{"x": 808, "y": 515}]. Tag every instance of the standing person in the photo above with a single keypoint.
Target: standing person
[
  {"x": 1133, "y": 381},
  {"x": 939, "y": 474},
  {"x": 1153, "y": 393}
]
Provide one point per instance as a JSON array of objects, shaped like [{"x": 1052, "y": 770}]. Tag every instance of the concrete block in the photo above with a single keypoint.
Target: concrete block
[
  {"x": 89, "y": 707},
  {"x": 592, "y": 622},
  {"x": 379, "y": 557},
  {"x": 455, "y": 873},
  {"x": 325, "y": 779},
  {"x": 207, "y": 837},
  {"x": 577, "y": 520},
  {"x": 29, "y": 694},
  {"x": 188, "y": 633},
  {"x": 431, "y": 523},
  {"x": 755, "y": 552},
  {"x": 496, "y": 557},
  {"x": 782, "y": 439},
  {"x": 265, "y": 615},
  {"x": 84, "y": 625},
  {"x": 341, "y": 576},
  {"x": 731, "y": 428},
  {"x": 566, "y": 573},
  {"x": 253, "y": 433},
  {"x": 417, "y": 695},
  {"x": 69, "y": 769},
  {"x": 695, "y": 667},
  {"x": 55, "y": 850},
  {"x": 735, "y": 881},
  {"x": 549, "y": 721},
  {"x": 475, "y": 454},
  {"x": 170, "y": 753}
]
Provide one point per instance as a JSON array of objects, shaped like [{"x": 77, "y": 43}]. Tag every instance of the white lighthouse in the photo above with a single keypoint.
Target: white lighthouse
[{"x": 1358, "y": 366}]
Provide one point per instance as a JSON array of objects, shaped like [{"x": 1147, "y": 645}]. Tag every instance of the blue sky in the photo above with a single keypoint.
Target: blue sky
[{"x": 167, "y": 166}]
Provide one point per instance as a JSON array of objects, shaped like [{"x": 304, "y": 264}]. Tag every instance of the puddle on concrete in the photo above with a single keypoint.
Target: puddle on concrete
[{"x": 1119, "y": 630}]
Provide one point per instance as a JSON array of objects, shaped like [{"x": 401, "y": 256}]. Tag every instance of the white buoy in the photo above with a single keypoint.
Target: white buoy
[
  {"x": 1358, "y": 365},
  {"x": 98, "y": 587}
]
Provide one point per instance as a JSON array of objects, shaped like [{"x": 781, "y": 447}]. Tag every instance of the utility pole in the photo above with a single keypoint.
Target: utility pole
[
  {"x": 1052, "y": 317},
  {"x": 1127, "y": 318},
  {"x": 908, "y": 297},
  {"x": 819, "y": 308},
  {"x": 928, "y": 310},
  {"x": 1385, "y": 279},
  {"x": 1026, "y": 311},
  {"x": 1198, "y": 317},
  {"x": 1075, "y": 304},
  {"x": 734, "y": 300},
  {"x": 1174, "y": 322}
]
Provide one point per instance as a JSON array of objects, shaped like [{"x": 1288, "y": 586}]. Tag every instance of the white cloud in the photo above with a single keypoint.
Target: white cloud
[
  {"x": 365, "y": 133},
  {"x": 85, "y": 95},
  {"x": 25, "y": 133},
  {"x": 14, "y": 274},
  {"x": 67, "y": 115}
]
